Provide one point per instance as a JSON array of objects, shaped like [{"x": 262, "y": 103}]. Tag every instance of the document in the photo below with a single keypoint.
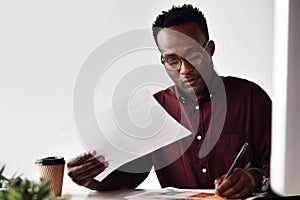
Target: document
[
  {"x": 130, "y": 128},
  {"x": 186, "y": 194},
  {"x": 175, "y": 193}
]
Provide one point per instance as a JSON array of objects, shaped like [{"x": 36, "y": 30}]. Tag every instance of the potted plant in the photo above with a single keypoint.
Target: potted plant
[{"x": 18, "y": 188}]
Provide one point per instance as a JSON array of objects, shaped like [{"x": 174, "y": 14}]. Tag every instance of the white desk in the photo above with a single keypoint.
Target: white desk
[{"x": 118, "y": 194}]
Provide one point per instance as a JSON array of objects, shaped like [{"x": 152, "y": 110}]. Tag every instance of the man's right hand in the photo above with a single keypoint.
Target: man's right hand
[{"x": 84, "y": 168}]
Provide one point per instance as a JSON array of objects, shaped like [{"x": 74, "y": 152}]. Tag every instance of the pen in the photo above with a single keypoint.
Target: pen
[{"x": 237, "y": 159}]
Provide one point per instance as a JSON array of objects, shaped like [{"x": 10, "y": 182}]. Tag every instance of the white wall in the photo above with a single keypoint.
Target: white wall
[{"x": 43, "y": 45}]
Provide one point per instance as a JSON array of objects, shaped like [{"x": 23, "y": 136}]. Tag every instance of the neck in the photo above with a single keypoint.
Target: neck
[
  {"x": 203, "y": 94},
  {"x": 195, "y": 97}
]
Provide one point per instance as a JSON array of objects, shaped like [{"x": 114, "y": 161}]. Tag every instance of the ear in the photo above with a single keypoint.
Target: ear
[{"x": 211, "y": 47}]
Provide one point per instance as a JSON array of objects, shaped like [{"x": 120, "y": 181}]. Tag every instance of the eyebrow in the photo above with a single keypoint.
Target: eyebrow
[{"x": 185, "y": 53}]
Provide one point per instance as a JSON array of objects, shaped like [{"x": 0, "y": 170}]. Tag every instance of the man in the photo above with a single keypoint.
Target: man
[{"x": 182, "y": 37}]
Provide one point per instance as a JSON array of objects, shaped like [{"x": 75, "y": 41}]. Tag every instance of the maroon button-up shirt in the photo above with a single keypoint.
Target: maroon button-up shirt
[{"x": 248, "y": 119}]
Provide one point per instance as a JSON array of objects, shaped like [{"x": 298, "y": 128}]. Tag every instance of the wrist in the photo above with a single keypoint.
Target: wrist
[
  {"x": 261, "y": 179},
  {"x": 100, "y": 186}
]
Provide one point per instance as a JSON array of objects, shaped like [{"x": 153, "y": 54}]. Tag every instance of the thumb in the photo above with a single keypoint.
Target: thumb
[{"x": 218, "y": 181}]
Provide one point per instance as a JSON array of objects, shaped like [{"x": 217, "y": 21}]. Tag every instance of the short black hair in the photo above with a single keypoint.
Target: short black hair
[{"x": 179, "y": 15}]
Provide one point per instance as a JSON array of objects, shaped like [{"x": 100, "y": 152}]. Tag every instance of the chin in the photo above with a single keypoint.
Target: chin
[{"x": 190, "y": 92}]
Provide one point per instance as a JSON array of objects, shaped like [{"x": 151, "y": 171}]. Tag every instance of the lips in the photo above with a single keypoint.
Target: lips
[{"x": 190, "y": 81}]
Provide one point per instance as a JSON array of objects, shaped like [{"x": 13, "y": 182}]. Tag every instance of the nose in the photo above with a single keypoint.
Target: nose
[{"x": 186, "y": 67}]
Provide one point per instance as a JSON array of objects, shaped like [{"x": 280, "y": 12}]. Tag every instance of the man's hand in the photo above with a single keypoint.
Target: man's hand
[
  {"x": 239, "y": 184},
  {"x": 84, "y": 168}
]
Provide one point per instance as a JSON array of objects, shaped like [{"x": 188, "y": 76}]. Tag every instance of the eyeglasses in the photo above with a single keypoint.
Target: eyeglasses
[{"x": 173, "y": 62}]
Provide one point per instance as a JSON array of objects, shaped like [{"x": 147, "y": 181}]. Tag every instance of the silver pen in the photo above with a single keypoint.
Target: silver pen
[{"x": 237, "y": 159}]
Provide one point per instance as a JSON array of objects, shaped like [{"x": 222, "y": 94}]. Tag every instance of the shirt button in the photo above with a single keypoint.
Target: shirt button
[
  {"x": 199, "y": 137},
  {"x": 204, "y": 170},
  {"x": 197, "y": 107}
]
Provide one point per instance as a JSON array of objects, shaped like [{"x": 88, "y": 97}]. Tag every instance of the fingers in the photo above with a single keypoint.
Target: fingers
[
  {"x": 81, "y": 158},
  {"x": 239, "y": 194},
  {"x": 224, "y": 185},
  {"x": 86, "y": 167},
  {"x": 219, "y": 180},
  {"x": 237, "y": 185}
]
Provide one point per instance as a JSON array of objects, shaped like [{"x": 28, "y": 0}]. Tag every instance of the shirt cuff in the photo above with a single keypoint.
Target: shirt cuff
[{"x": 264, "y": 179}]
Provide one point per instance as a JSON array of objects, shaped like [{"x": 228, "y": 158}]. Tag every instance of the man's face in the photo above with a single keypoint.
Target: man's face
[{"x": 186, "y": 42}]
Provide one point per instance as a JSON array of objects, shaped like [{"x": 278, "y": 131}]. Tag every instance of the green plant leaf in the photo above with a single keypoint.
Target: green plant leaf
[{"x": 18, "y": 188}]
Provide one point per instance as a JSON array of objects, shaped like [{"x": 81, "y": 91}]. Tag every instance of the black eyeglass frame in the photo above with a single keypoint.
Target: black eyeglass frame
[{"x": 180, "y": 59}]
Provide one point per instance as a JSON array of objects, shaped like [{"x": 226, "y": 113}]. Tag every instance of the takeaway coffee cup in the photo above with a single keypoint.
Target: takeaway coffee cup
[{"x": 52, "y": 169}]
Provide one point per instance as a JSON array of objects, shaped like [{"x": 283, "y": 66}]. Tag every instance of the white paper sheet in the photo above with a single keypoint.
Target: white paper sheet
[
  {"x": 188, "y": 194},
  {"x": 175, "y": 193},
  {"x": 130, "y": 128}
]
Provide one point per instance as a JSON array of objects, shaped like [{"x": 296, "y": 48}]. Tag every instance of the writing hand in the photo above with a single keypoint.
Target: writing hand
[
  {"x": 85, "y": 167},
  {"x": 237, "y": 185}
]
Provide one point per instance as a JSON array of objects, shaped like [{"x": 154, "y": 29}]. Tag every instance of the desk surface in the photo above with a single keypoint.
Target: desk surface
[{"x": 120, "y": 194}]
